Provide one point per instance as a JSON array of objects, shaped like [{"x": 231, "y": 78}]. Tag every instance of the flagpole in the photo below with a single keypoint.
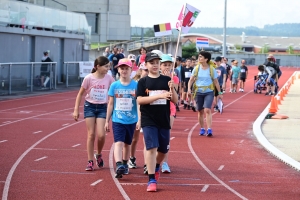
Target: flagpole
[{"x": 177, "y": 45}]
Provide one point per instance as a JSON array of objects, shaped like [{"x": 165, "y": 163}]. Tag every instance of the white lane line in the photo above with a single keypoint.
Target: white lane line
[
  {"x": 15, "y": 165},
  {"x": 37, "y": 132},
  {"x": 24, "y": 111},
  {"x": 76, "y": 145},
  {"x": 42, "y": 158},
  {"x": 36, "y": 116},
  {"x": 232, "y": 152},
  {"x": 45, "y": 171},
  {"x": 112, "y": 172},
  {"x": 3, "y": 141},
  {"x": 204, "y": 188},
  {"x": 6, "y": 122},
  {"x": 221, "y": 167},
  {"x": 172, "y": 138},
  {"x": 65, "y": 124},
  {"x": 228, "y": 120},
  {"x": 241, "y": 141},
  {"x": 189, "y": 141},
  {"x": 96, "y": 182},
  {"x": 186, "y": 129}
]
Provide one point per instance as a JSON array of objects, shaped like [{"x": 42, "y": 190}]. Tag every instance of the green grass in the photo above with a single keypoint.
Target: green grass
[{"x": 95, "y": 45}]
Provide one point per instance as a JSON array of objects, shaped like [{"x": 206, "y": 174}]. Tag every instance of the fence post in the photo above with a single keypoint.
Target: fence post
[
  {"x": 67, "y": 75},
  {"x": 31, "y": 77},
  {"x": 9, "y": 79},
  {"x": 55, "y": 70}
]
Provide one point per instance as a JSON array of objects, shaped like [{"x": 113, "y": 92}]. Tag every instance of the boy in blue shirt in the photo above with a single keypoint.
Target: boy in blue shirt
[{"x": 123, "y": 108}]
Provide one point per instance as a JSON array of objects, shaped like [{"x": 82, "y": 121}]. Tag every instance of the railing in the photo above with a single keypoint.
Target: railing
[
  {"x": 24, "y": 77},
  {"x": 72, "y": 74},
  {"x": 148, "y": 42},
  {"x": 30, "y": 16}
]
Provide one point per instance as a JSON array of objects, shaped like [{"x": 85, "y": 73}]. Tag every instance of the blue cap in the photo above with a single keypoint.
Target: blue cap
[{"x": 166, "y": 58}]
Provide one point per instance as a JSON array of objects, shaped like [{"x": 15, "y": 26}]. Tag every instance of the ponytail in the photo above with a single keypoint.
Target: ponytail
[{"x": 101, "y": 61}]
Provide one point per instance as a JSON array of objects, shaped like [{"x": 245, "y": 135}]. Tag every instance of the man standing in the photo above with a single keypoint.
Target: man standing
[
  {"x": 243, "y": 75},
  {"x": 221, "y": 71},
  {"x": 228, "y": 69},
  {"x": 45, "y": 72},
  {"x": 114, "y": 60}
]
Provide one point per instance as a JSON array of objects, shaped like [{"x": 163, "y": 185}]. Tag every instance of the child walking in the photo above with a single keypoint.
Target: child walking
[
  {"x": 123, "y": 109},
  {"x": 154, "y": 94},
  {"x": 96, "y": 86}
]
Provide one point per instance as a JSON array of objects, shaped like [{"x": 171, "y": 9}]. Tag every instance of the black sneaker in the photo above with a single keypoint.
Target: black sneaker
[
  {"x": 131, "y": 163},
  {"x": 216, "y": 108},
  {"x": 177, "y": 108},
  {"x": 184, "y": 106},
  {"x": 189, "y": 107},
  {"x": 268, "y": 93},
  {"x": 182, "y": 102},
  {"x": 120, "y": 171},
  {"x": 99, "y": 160}
]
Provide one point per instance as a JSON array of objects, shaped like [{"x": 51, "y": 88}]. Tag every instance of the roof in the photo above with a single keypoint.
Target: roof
[{"x": 256, "y": 41}]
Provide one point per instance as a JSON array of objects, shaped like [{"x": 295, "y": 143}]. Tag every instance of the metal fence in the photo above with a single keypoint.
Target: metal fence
[
  {"x": 72, "y": 74},
  {"x": 26, "y": 77}
]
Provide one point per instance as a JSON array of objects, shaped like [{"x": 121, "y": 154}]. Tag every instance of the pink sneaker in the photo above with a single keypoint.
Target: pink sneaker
[
  {"x": 151, "y": 186},
  {"x": 90, "y": 166}
]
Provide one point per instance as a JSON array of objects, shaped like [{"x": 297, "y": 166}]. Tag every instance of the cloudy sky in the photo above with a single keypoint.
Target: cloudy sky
[{"x": 240, "y": 13}]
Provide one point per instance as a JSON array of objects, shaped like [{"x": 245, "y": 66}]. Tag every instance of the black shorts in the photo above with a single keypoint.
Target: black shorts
[
  {"x": 45, "y": 74},
  {"x": 216, "y": 91},
  {"x": 186, "y": 83},
  {"x": 243, "y": 79}
]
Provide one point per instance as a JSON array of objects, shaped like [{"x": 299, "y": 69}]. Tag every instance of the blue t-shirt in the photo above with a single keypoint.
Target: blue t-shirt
[
  {"x": 221, "y": 71},
  {"x": 204, "y": 78},
  {"x": 114, "y": 58},
  {"x": 235, "y": 71},
  {"x": 125, "y": 105}
]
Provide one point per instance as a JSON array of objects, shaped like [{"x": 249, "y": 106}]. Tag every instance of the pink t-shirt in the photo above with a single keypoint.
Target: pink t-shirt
[
  {"x": 172, "y": 105},
  {"x": 97, "y": 89}
]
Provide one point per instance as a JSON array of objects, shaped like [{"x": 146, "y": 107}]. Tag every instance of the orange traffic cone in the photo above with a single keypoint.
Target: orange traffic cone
[
  {"x": 278, "y": 100},
  {"x": 273, "y": 107}
]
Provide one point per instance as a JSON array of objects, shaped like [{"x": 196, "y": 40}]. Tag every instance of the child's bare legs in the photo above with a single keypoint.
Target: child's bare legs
[
  {"x": 90, "y": 124},
  {"x": 135, "y": 140},
  {"x": 207, "y": 112},
  {"x": 153, "y": 157},
  {"x": 201, "y": 118},
  {"x": 167, "y": 169},
  {"x": 118, "y": 155},
  {"x": 100, "y": 122}
]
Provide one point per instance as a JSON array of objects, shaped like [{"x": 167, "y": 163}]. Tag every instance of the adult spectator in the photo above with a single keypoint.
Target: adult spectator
[
  {"x": 106, "y": 52},
  {"x": 45, "y": 72},
  {"x": 114, "y": 60}
]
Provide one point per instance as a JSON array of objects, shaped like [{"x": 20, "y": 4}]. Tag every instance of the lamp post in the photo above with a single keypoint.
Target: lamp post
[{"x": 224, "y": 30}]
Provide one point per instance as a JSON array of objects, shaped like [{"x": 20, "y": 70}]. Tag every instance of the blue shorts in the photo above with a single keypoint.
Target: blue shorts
[
  {"x": 123, "y": 132},
  {"x": 94, "y": 110},
  {"x": 157, "y": 138},
  {"x": 204, "y": 100}
]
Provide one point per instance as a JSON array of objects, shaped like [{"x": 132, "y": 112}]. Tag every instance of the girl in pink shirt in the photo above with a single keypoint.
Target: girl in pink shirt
[{"x": 96, "y": 86}]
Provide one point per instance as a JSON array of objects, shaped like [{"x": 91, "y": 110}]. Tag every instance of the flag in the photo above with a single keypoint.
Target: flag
[
  {"x": 186, "y": 18},
  {"x": 202, "y": 42},
  {"x": 162, "y": 29}
]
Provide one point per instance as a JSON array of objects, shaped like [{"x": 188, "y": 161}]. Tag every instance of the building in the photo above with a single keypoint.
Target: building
[
  {"x": 109, "y": 20},
  {"x": 248, "y": 44}
]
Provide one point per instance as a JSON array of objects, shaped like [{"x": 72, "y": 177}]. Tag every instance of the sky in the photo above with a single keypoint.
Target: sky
[{"x": 240, "y": 13}]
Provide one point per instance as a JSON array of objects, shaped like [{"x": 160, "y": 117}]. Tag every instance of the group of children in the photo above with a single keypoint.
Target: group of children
[{"x": 145, "y": 103}]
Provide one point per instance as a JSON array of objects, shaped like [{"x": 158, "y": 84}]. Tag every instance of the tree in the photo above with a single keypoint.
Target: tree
[
  {"x": 265, "y": 49},
  {"x": 149, "y": 33},
  {"x": 189, "y": 51},
  {"x": 290, "y": 50}
]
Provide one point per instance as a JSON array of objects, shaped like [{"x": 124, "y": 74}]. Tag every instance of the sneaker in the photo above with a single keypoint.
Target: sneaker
[
  {"x": 145, "y": 169},
  {"x": 184, "y": 106},
  {"x": 177, "y": 108},
  {"x": 90, "y": 166},
  {"x": 120, "y": 171},
  {"x": 194, "y": 108},
  {"x": 99, "y": 160},
  {"x": 240, "y": 90},
  {"x": 234, "y": 91},
  {"x": 126, "y": 171},
  {"x": 151, "y": 186},
  {"x": 267, "y": 93},
  {"x": 189, "y": 107},
  {"x": 209, "y": 133},
  {"x": 157, "y": 174},
  {"x": 165, "y": 168},
  {"x": 182, "y": 102},
  {"x": 202, "y": 132},
  {"x": 131, "y": 163},
  {"x": 224, "y": 91},
  {"x": 230, "y": 91}
]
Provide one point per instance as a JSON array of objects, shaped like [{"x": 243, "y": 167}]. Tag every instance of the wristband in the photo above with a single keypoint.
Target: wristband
[{"x": 220, "y": 93}]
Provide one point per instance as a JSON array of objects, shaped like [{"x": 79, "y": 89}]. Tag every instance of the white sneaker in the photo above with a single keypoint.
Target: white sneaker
[
  {"x": 165, "y": 168},
  {"x": 240, "y": 90}
]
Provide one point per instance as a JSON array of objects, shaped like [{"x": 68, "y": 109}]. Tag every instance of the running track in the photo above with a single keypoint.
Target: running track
[{"x": 43, "y": 155}]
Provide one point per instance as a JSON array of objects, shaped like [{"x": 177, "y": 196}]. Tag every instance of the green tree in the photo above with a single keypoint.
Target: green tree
[
  {"x": 189, "y": 50},
  {"x": 149, "y": 33},
  {"x": 290, "y": 50},
  {"x": 238, "y": 47},
  {"x": 265, "y": 49}
]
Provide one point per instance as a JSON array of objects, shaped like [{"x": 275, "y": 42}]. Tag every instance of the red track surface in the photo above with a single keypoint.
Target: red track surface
[{"x": 43, "y": 155}]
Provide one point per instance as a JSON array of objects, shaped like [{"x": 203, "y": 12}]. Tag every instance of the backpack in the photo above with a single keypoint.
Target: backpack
[{"x": 212, "y": 66}]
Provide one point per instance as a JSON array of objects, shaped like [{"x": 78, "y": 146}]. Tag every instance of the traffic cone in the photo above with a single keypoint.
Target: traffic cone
[
  {"x": 278, "y": 100},
  {"x": 273, "y": 107},
  {"x": 281, "y": 95}
]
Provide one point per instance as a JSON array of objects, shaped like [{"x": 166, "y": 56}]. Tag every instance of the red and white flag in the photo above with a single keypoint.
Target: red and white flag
[{"x": 186, "y": 18}]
